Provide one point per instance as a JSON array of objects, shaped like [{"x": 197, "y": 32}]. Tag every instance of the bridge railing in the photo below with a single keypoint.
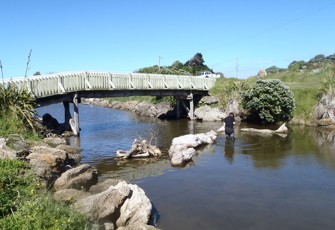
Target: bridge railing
[{"x": 62, "y": 83}]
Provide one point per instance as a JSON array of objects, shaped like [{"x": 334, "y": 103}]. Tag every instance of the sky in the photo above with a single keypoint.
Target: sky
[{"x": 236, "y": 38}]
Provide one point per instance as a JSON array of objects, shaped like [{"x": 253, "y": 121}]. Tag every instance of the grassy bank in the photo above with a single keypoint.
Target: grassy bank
[
  {"x": 307, "y": 87},
  {"x": 26, "y": 204}
]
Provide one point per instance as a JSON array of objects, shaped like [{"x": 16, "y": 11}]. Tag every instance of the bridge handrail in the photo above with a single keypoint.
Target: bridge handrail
[{"x": 61, "y": 83}]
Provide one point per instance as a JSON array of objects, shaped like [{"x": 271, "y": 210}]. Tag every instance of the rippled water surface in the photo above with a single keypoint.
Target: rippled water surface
[{"x": 254, "y": 182}]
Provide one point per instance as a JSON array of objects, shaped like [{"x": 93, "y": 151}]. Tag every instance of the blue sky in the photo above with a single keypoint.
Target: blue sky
[{"x": 125, "y": 35}]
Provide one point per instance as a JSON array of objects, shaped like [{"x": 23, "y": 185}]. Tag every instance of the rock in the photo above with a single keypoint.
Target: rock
[
  {"x": 81, "y": 177},
  {"x": 182, "y": 148},
  {"x": 70, "y": 195},
  {"x": 105, "y": 206},
  {"x": 209, "y": 100},
  {"x": 102, "y": 186},
  {"x": 180, "y": 155},
  {"x": 206, "y": 113},
  {"x": 46, "y": 160},
  {"x": 280, "y": 130},
  {"x": 6, "y": 153},
  {"x": 17, "y": 143},
  {"x": 73, "y": 153},
  {"x": 262, "y": 73},
  {"x": 325, "y": 122},
  {"x": 137, "y": 226},
  {"x": 2, "y": 142},
  {"x": 136, "y": 209},
  {"x": 54, "y": 141}
]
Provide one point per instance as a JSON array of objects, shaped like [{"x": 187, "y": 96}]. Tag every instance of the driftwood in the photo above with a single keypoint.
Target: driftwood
[
  {"x": 281, "y": 130},
  {"x": 139, "y": 149}
]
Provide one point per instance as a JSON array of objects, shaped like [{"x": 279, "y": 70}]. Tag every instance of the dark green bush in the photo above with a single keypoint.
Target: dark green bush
[{"x": 269, "y": 101}]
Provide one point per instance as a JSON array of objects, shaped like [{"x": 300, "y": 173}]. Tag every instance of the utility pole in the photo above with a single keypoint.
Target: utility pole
[
  {"x": 3, "y": 81},
  {"x": 27, "y": 67},
  {"x": 236, "y": 67},
  {"x": 159, "y": 62}
]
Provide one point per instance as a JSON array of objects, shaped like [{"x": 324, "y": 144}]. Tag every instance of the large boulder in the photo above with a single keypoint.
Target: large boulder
[
  {"x": 151, "y": 110},
  {"x": 136, "y": 209},
  {"x": 54, "y": 141},
  {"x": 104, "y": 185},
  {"x": 206, "y": 113},
  {"x": 6, "y": 152},
  {"x": 209, "y": 100},
  {"x": 46, "y": 160},
  {"x": 325, "y": 110},
  {"x": 105, "y": 206},
  {"x": 81, "y": 177},
  {"x": 182, "y": 148},
  {"x": 137, "y": 226},
  {"x": 122, "y": 205}
]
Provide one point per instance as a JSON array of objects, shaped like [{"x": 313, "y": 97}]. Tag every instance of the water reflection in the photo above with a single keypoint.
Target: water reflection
[{"x": 229, "y": 149}]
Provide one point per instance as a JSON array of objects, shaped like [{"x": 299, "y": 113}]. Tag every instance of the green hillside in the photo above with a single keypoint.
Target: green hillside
[{"x": 307, "y": 80}]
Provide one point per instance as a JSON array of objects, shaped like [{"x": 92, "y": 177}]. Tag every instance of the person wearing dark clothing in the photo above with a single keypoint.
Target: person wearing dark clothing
[{"x": 229, "y": 125}]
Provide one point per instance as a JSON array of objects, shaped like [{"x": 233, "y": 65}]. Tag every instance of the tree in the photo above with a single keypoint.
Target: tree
[
  {"x": 274, "y": 70},
  {"x": 269, "y": 101},
  {"x": 296, "y": 66}
]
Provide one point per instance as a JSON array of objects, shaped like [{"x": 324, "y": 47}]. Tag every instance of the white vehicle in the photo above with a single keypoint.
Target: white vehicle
[{"x": 209, "y": 75}]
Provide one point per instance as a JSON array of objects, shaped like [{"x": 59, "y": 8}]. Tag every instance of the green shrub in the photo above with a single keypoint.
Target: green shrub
[
  {"x": 269, "y": 101},
  {"x": 17, "y": 105}
]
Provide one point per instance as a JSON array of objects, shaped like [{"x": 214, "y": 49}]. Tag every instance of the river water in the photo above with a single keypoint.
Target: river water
[{"x": 253, "y": 182}]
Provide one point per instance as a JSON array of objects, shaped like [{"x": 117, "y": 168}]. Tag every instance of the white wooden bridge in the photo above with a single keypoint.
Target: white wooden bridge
[{"x": 69, "y": 87}]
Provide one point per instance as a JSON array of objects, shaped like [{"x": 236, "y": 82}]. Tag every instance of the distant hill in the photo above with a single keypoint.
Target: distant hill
[
  {"x": 194, "y": 67},
  {"x": 315, "y": 63}
]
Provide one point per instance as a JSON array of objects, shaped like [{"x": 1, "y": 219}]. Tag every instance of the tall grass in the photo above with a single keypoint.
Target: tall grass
[{"x": 26, "y": 204}]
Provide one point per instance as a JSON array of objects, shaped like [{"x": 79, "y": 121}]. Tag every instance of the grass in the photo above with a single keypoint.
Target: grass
[
  {"x": 26, "y": 204},
  {"x": 307, "y": 87}
]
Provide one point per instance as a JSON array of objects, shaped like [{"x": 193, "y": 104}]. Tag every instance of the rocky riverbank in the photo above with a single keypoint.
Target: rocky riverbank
[
  {"x": 164, "y": 110},
  {"x": 110, "y": 204}
]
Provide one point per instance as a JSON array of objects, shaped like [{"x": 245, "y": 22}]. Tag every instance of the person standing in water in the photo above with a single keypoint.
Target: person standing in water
[{"x": 229, "y": 122}]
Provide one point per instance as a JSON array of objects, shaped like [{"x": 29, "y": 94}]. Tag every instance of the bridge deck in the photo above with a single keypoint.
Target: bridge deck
[{"x": 49, "y": 85}]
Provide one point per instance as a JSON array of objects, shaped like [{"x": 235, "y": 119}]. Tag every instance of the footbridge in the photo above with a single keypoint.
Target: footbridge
[{"x": 70, "y": 87}]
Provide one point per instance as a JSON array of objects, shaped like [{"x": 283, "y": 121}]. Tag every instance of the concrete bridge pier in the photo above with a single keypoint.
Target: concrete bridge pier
[
  {"x": 67, "y": 115},
  {"x": 76, "y": 114},
  {"x": 185, "y": 103},
  {"x": 72, "y": 124}
]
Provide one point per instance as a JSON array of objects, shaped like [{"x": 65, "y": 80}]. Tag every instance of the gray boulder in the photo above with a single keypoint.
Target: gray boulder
[
  {"x": 46, "y": 160},
  {"x": 206, "y": 113},
  {"x": 54, "y": 141},
  {"x": 105, "y": 206},
  {"x": 102, "y": 186},
  {"x": 183, "y": 148},
  {"x": 136, "y": 209},
  {"x": 137, "y": 226},
  {"x": 81, "y": 177},
  {"x": 209, "y": 100}
]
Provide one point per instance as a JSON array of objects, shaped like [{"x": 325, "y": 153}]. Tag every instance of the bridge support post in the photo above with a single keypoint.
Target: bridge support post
[
  {"x": 76, "y": 113},
  {"x": 178, "y": 108},
  {"x": 191, "y": 112},
  {"x": 67, "y": 115}
]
